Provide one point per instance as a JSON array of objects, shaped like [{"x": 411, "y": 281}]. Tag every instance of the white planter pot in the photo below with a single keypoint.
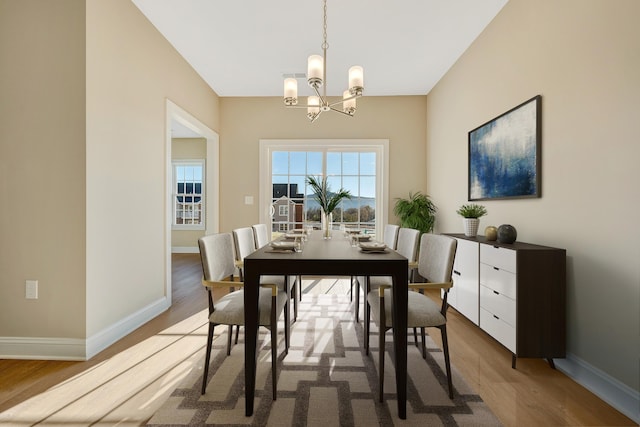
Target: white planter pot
[{"x": 471, "y": 226}]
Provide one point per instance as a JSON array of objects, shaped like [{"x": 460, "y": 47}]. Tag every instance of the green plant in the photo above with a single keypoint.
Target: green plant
[
  {"x": 327, "y": 200},
  {"x": 472, "y": 211},
  {"x": 418, "y": 212}
]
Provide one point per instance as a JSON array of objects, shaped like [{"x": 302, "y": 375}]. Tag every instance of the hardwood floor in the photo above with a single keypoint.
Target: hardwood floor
[{"x": 531, "y": 395}]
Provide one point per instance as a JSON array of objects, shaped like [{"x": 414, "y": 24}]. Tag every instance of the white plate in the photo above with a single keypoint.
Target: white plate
[
  {"x": 282, "y": 245},
  {"x": 373, "y": 246}
]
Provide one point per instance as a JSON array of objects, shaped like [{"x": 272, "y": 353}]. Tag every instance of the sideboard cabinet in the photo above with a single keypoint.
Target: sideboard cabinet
[{"x": 521, "y": 295}]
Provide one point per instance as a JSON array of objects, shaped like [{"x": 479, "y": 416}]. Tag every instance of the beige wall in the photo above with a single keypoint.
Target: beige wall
[
  {"x": 42, "y": 167},
  {"x": 131, "y": 71},
  {"x": 244, "y": 121},
  {"x": 83, "y": 171},
  {"x": 582, "y": 56},
  {"x": 188, "y": 149}
]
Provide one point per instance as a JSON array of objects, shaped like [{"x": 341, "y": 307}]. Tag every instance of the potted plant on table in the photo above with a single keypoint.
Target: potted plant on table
[
  {"x": 418, "y": 212},
  {"x": 327, "y": 200},
  {"x": 471, "y": 214}
]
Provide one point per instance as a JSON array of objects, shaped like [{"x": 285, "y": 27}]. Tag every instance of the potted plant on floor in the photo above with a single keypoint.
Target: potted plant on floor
[
  {"x": 418, "y": 212},
  {"x": 327, "y": 200},
  {"x": 471, "y": 214}
]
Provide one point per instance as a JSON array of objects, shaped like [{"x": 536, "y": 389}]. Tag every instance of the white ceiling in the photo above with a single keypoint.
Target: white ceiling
[{"x": 243, "y": 47}]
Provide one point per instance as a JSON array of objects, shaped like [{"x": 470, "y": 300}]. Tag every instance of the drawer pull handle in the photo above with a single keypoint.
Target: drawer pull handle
[
  {"x": 496, "y": 292},
  {"x": 496, "y": 268},
  {"x": 496, "y": 317},
  {"x": 456, "y": 272}
]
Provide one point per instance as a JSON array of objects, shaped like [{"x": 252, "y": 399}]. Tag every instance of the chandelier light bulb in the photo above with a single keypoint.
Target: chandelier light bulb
[
  {"x": 290, "y": 91},
  {"x": 356, "y": 80},
  {"x": 315, "y": 67},
  {"x": 348, "y": 103},
  {"x": 313, "y": 107}
]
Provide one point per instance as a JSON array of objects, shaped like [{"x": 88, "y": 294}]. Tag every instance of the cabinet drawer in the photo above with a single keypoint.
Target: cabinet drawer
[
  {"x": 497, "y": 328},
  {"x": 499, "y": 280},
  {"x": 498, "y": 304},
  {"x": 504, "y": 259}
]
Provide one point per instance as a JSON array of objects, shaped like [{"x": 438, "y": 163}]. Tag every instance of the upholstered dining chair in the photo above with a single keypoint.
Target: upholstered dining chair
[
  {"x": 435, "y": 264},
  {"x": 218, "y": 267},
  {"x": 245, "y": 245},
  {"x": 407, "y": 246},
  {"x": 261, "y": 235}
]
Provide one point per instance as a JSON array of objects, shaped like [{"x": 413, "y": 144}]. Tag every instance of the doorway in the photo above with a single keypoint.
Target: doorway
[{"x": 180, "y": 121}]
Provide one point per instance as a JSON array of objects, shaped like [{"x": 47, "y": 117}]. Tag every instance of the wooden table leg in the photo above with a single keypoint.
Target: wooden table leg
[
  {"x": 399, "y": 313},
  {"x": 251, "y": 316}
]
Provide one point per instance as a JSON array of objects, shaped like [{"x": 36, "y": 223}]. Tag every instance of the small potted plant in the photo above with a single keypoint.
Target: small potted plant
[{"x": 471, "y": 214}]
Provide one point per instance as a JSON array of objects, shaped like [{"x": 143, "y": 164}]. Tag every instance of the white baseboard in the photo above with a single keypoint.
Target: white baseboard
[
  {"x": 185, "y": 250},
  {"x": 619, "y": 395},
  {"x": 123, "y": 327},
  {"x": 34, "y": 348}
]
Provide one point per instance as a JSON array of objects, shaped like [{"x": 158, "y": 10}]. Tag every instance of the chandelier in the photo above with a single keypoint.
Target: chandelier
[{"x": 316, "y": 78}]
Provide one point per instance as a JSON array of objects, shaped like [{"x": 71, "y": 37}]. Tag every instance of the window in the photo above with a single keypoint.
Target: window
[
  {"x": 188, "y": 194},
  {"x": 283, "y": 210},
  {"x": 355, "y": 165}
]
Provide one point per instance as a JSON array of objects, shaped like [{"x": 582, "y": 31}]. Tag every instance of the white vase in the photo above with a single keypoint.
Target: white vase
[
  {"x": 471, "y": 226},
  {"x": 327, "y": 219}
]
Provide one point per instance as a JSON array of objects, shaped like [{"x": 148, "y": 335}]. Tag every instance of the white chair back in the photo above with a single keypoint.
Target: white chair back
[
  {"x": 437, "y": 253},
  {"x": 407, "y": 245},
  {"x": 261, "y": 235},
  {"x": 390, "y": 236},
  {"x": 244, "y": 242},
  {"x": 216, "y": 255}
]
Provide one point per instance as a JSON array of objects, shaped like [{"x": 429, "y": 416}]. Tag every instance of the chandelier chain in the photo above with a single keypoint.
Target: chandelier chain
[{"x": 325, "y": 45}]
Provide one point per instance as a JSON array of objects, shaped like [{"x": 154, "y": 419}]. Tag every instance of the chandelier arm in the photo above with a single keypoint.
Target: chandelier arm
[
  {"x": 344, "y": 99},
  {"x": 340, "y": 111}
]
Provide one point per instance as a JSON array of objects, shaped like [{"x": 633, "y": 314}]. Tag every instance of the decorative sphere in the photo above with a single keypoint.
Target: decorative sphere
[
  {"x": 507, "y": 233},
  {"x": 491, "y": 233}
]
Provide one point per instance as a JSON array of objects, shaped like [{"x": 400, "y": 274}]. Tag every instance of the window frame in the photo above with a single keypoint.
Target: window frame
[
  {"x": 203, "y": 191},
  {"x": 379, "y": 146}
]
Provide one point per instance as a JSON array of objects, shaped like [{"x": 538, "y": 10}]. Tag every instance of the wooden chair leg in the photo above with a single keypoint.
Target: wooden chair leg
[
  {"x": 424, "y": 345},
  {"x": 294, "y": 291},
  {"x": 367, "y": 314},
  {"x": 237, "y": 332},
  {"x": 274, "y": 348},
  {"x": 415, "y": 336},
  {"x": 445, "y": 348},
  {"x": 207, "y": 359},
  {"x": 351, "y": 290},
  {"x": 381, "y": 348},
  {"x": 356, "y": 283},
  {"x": 229, "y": 339},
  {"x": 287, "y": 326}
]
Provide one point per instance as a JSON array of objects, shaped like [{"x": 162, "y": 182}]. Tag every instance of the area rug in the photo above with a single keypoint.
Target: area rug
[{"x": 325, "y": 380}]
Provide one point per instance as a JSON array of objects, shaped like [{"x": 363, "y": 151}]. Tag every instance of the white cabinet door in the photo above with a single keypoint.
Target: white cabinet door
[{"x": 465, "y": 279}]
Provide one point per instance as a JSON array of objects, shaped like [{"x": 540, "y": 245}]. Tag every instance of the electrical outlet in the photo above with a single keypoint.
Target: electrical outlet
[
  {"x": 248, "y": 200},
  {"x": 31, "y": 289}
]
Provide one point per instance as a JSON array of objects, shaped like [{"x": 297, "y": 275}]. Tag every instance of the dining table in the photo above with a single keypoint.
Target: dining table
[{"x": 320, "y": 256}]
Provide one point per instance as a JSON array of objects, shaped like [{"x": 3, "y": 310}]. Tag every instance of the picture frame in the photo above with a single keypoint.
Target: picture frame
[{"x": 505, "y": 154}]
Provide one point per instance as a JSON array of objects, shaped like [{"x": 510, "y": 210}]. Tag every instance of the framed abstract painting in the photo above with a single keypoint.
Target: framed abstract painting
[{"x": 505, "y": 154}]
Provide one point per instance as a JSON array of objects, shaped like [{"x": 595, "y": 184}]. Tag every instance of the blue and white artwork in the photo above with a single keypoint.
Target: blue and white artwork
[{"x": 503, "y": 155}]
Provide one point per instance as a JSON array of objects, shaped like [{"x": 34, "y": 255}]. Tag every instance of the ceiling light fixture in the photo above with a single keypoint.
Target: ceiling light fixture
[{"x": 316, "y": 77}]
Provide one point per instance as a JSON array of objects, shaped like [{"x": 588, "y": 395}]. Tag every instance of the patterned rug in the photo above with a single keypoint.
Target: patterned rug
[{"x": 325, "y": 380}]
